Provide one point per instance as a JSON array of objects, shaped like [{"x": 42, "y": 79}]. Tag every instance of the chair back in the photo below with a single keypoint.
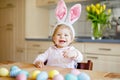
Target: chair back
[{"x": 85, "y": 65}]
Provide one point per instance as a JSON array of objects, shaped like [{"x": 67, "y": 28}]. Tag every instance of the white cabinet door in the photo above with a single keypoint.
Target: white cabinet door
[
  {"x": 105, "y": 56},
  {"x": 104, "y": 63},
  {"x": 7, "y": 26},
  {"x": 41, "y": 3},
  {"x": 20, "y": 55},
  {"x": 34, "y": 48},
  {"x": 32, "y": 54},
  {"x": 11, "y": 28}
]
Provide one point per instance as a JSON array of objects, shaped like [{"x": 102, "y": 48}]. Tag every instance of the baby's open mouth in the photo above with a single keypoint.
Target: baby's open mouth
[{"x": 62, "y": 41}]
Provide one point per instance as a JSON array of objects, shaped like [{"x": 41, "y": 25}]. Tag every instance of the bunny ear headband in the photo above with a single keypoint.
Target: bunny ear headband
[{"x": 61, "y": 15}]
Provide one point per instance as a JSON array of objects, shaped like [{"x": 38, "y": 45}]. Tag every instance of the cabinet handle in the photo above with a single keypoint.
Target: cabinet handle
[
  {"x": 36, "y": 45},
  {"x": 51, "y": 2},
  {"x": 105, "y": 49},
  {"x": 92, "y": 57}
]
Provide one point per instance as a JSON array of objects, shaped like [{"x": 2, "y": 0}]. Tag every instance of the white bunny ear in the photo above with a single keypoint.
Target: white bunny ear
[
  {"x": 61, "y": 11},
  {"x": 74, "y": 13}
]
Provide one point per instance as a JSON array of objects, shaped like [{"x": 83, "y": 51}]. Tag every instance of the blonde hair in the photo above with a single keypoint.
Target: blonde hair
[{"x": 62, "y": 26}]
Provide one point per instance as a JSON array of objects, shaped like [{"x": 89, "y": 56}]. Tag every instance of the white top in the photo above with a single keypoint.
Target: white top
[{"x": 55, "y": 57}]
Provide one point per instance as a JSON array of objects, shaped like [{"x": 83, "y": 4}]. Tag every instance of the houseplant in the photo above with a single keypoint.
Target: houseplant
[{"x": 99, "y": 16}]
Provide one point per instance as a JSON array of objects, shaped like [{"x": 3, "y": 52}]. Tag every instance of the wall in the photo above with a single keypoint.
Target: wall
[{"x": 36, "y": 21}]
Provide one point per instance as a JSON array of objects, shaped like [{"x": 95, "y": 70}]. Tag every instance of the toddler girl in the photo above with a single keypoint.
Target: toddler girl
[{"x": 62, "y": 54}]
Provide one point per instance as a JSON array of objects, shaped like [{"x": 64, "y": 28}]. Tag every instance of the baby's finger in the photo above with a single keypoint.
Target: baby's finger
[{"x": 65, "y": 55}]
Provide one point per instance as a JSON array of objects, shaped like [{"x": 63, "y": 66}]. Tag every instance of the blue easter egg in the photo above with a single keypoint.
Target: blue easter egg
[
  {"x": 42, "y": 76},
  {"x": 70, "y": 76},
  {"x": 14, "y": 68},
  {"x": 14, "y": 73},
  {"x": 83, "y": 76},
  {"x": 24, "y": 72}
]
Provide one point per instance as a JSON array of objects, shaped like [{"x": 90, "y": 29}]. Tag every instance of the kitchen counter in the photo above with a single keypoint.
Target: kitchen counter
[
  {"x": 79, "y": 40},
  {"x": 30, "y": 67}
]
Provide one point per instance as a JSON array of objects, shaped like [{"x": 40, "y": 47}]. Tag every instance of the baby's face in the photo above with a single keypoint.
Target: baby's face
[{"x": 62, "y": 38}]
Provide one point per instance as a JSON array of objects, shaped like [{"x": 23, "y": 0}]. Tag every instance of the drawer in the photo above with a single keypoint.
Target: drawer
[
  {"x": 104, "y": 62},
  {"x": 38, "y": 45},
  {"x": 102, "y": 58},
  {"x": 102, "y": 48}
]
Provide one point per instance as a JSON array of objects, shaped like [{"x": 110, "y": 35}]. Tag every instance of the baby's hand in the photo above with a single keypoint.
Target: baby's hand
[
  {"x": 70, "y": 54},
  {"x": 39, "y": 64}
]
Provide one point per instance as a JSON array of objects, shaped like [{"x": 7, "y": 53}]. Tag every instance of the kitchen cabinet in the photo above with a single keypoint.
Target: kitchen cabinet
[
  {"x": 11, "y": 28},
  {"x": 43, "y": 3},
  {"x": 6, "y": 30},
  {"x": 20, "y": 31},
  {"x": 105, "y": 56},
  {"x": 33, "y": 49},
  {"x": 105, "y": 63},
  {"x": 20, "y": 55}
]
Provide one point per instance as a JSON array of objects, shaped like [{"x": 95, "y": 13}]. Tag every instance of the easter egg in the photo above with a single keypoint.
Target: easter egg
[
  {"x": 24, "y": 72},
  {"x": 75, "y": 71},
  {"x": 14, "y": 73},
  {"x": 58, "y": 77},
  {"x": 21, "y": 76},
  {"x": 83, "y": 76},
  {"x": 34, "y": 74},
  {"x": 4, "y": 72},
  {"x": 42, "y": 76},
  {"x": 52, "y": 73},
  {"x": 14, "y": 68},
  {"x": 70, "y": 76}
]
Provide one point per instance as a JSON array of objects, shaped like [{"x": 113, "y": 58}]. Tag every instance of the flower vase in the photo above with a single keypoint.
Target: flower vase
[{"x": 97, "y": 31}]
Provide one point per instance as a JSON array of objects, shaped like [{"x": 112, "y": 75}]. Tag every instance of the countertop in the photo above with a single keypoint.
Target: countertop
[{"x": 79, "y": 40}]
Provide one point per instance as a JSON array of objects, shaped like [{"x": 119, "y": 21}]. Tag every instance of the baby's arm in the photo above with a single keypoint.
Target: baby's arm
[{"x": 39, "y": 61}]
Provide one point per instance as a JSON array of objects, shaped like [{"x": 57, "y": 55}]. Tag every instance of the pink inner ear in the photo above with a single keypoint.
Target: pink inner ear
[
  {"x": 75, "y": 13},
  {"x": 61, "y": 10}
]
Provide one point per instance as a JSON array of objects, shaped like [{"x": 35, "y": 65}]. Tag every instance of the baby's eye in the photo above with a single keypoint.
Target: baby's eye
[
  {"x": 66, "y": 35},
  {"x": 58, "y": 34}
]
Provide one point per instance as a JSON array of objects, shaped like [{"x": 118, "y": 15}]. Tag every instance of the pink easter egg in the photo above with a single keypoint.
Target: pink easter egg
[
  {"x": 58, "y": 77},
  {"x": 21, "y": 77}
]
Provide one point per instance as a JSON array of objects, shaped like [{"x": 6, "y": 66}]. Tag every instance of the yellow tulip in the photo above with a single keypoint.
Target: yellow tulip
[
  {"x": 109, "y": 11},
  {"x": 101, "y": 9},
  {"x": 93, "y": 8},
  {"x": 88, "y": 8},
  {"x": 97, "y": 11},
  {"x": 104, "y": 7},
  {"x": 97, "y": 5}
]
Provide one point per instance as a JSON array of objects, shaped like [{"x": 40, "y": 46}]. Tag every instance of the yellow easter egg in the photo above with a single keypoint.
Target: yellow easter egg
[
  {"x": 4, "y": 72},
  {"x": 52, "y": 73},
  {"x": 34, "y": 74}
]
